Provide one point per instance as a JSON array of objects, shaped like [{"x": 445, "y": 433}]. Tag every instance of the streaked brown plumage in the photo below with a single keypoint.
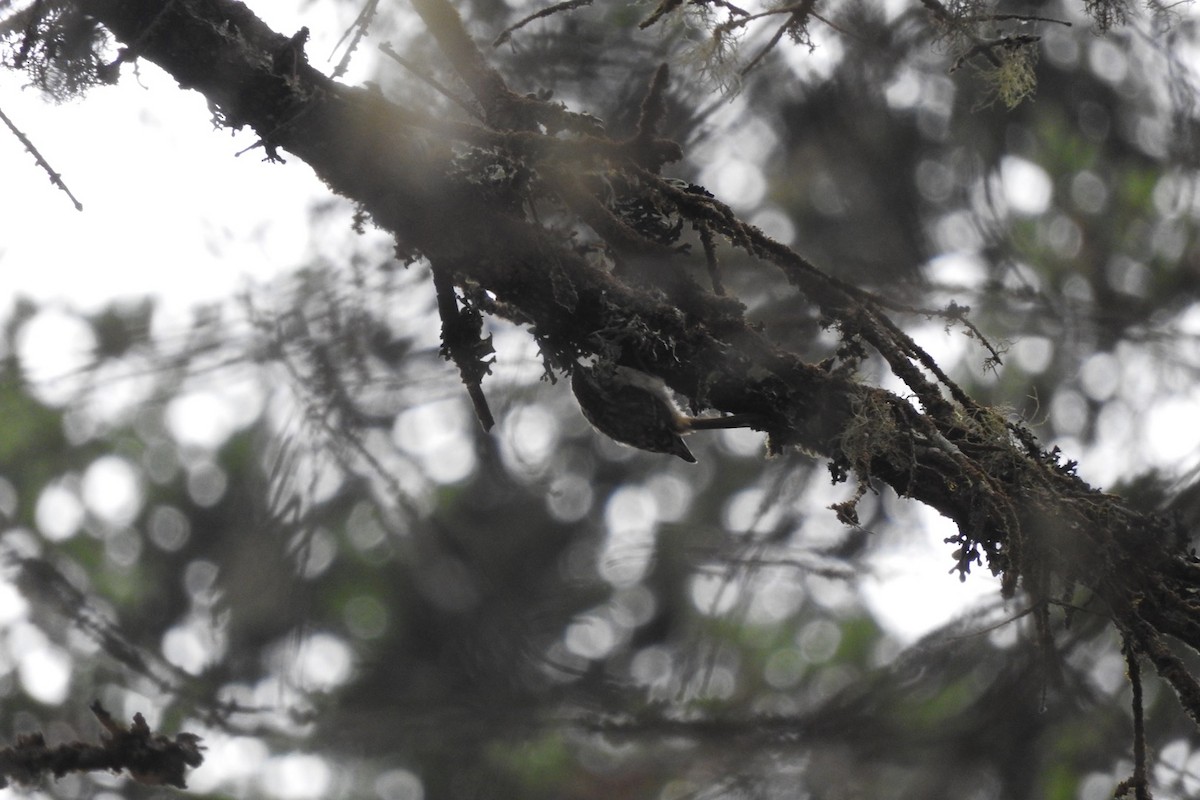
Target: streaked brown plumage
[{"x": 634, "y": 408}]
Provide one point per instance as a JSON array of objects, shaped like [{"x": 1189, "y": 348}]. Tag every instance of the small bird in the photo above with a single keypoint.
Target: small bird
[{"x": 634, "y": 408}]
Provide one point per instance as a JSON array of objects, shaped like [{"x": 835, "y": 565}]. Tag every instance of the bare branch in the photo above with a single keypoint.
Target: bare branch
[{"x": 55, "y": 178}]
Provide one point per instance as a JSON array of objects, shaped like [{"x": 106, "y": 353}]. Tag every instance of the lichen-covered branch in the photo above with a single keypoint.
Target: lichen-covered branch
[{"x": 151, "y": 759}]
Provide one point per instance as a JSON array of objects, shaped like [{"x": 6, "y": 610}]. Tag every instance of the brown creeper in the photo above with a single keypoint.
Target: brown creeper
[{"x": 634, "y": 408}]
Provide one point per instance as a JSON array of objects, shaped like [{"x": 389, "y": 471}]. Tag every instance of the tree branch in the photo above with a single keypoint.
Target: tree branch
[{"x": 459, "y": 194}]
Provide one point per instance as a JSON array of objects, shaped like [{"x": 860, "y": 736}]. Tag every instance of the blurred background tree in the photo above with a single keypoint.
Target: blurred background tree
[{"x": 281, "y": 526}]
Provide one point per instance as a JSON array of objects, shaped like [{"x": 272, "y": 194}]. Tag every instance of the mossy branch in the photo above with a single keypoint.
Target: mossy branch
[{"x": 151, "y": 759}]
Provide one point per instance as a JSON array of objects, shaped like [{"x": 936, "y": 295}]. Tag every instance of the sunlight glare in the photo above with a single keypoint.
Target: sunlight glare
[
  {"x": 53, "y": 347},
  {"x": 200, "y": 419},
  {"x": 956, "y": 270},
  {"x": 229, "y": 760},
  {"x": 910, "y": 589},
  {"x": 713, "y": 593},
  {"x": 1025, "y": 185},
  {"x": 739, "y": 181},
  {"x": 13, "y": 606},
  {"x": 112, "y": 491},
  {"x": 59, "y": 512},
  {"x": 435, "y": 434},
  {"x": 777, "y": 595},
  {"x": 1100, "y": 376},
  {"x": 631, "y": 517},
  {"x": 529, "y": 436},
  {"x": 297, "y": 776},
  {"x": 672, "y": 495},
  {"x": 590, "y": 637},
  {"x": 1032, "y": 353},
  {"x": 630, "y": 509},
  {"x": 1171, "y": 431},
  {"x": 749, "y": 512},
  {"x": 45, "y": 674},
  {"x": 322, "y": 662},
  {"x": 193, "y": 646}
]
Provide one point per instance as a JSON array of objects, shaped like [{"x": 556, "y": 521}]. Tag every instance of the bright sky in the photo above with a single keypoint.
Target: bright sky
[{"x": 168, "y": 209}]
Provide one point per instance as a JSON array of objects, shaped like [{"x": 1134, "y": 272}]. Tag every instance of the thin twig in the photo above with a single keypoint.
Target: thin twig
[
  {"x": 1138, "y": 782},
  {"x": 566, "y": 5},
  {"x": 754, "y": 62},
  {"x": 55, "y": 178},
  {"x": 805, "y": 6},
  {"x": 710, "y": 259},
  {"x": 388, "y": 51},
  {"x": 1017, "y": 18},
  {"x": 360, "y": 26}
]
